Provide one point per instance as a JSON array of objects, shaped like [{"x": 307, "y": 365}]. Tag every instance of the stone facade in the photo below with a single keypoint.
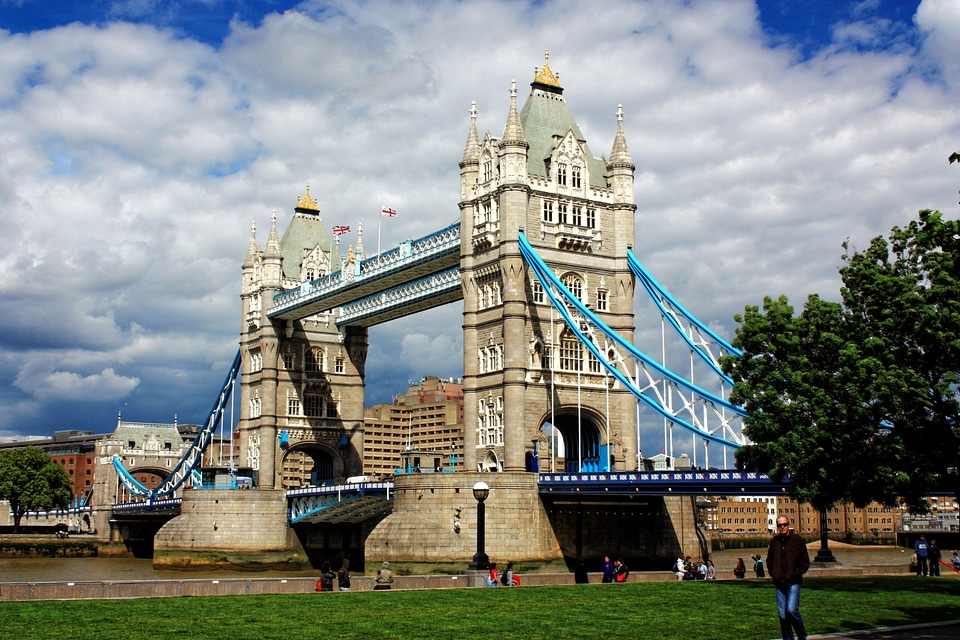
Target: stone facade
[
  {"x": 229, "y": 528},
  {"x": 434, "y": 520},
  {"x": 302, "y": 385},
  {"x": 522, "y": 369}
]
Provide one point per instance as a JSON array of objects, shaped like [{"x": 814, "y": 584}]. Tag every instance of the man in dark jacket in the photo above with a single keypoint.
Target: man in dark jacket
[{"x": 787, "y": 561}]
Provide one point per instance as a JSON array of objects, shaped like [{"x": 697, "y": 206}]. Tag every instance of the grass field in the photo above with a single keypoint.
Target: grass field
[{"x": 739, "y": 609}]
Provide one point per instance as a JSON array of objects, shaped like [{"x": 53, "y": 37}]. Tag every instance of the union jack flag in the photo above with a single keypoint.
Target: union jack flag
[{"x": 339, "y": 230}]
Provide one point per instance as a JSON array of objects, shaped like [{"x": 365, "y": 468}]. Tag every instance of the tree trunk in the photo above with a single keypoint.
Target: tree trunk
[{"x": 824, "y": 554}]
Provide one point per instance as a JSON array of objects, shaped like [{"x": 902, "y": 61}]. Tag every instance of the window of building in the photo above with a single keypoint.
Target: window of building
[
  {"x": 339, "y": 365},
  {"x": 562, "y": 174},
  {"x": 591, "y": 218},
  {"x": 293, "y": 406},
  {"x": 571, "y": 354},
  {"x": 313, "y": 362},
  {"x": 538, "y": 295},
  {"x": 574, "y": 284},
  {"x": 256, "y": 361},
  {"x": 313, "y": 406},
  {"x": 546, "y": 208},
  {"x": 487, "y": 170},
  {"x": 575, "y": 177},
  {"x": 563, "y": 213},
  {"x": 602, "y": 300},
  {"x": 288, "y": 360},
  {"x": 578, "y": 216},
  {"x": 331, "y": 409}
]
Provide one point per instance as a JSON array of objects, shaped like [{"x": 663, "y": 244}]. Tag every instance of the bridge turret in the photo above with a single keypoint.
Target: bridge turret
[
  {"x": 620, "y": 167},
  {"x": 272, "y": 258},
  {"x": 513, "y": 145},
  {"x": 470, "y": 162}
]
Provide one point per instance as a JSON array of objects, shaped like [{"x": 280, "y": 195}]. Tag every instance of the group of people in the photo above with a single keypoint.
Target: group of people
[
  {"x": 614, "y": 570},
  {"x": 505, "y": 579},
  {"x": 927, "y": 557},
  {"x": 384, "y": 578},
  {"x": 688, "y": 569}
]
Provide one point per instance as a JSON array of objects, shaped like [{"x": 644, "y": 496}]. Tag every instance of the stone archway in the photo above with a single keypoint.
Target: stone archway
[
  {"x": 582, "y": 446},
  {"x": 310, "y": 464},
  {"x": 489, "y": 462}
]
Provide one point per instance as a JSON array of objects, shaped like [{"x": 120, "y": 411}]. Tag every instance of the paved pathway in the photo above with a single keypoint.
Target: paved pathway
[{"x": 931, "y": 631}]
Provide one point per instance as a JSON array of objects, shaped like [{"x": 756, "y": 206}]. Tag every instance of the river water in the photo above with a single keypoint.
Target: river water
[{"x": 114, "y": 569}]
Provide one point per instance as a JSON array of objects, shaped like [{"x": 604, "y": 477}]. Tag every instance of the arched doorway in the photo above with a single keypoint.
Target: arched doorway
[
  {"x": 576, "y": 442},
  {"x": 489, "y": 462},
  {"x": 310, "y": 465}
]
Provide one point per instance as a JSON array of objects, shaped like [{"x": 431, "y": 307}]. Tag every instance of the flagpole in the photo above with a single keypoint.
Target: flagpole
[{"x": 379, "y": 223}]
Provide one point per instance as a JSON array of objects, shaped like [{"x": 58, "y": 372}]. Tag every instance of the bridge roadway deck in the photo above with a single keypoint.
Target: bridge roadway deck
[{"x": 358, "y": 502}]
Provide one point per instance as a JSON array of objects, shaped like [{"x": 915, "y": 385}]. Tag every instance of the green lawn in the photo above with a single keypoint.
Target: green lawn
[{"x": 742, "y": 609}]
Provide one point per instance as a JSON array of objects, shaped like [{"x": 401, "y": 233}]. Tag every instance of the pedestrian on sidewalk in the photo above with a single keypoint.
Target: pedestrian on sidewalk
[
  {"x": 922, "y": 547},
  {"x": 787, "y": 561},
  {"x": 933, "y": 556}
]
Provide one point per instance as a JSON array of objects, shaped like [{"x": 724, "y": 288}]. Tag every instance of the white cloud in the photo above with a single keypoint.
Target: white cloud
[
  {"x": 67, "y": 385},
  {"x": 134, "y": 161}
]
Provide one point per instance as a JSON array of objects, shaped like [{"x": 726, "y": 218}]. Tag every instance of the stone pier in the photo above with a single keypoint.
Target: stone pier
[
  {"x": 434, "y": 520},
  {"x": 228, "y": 528}
]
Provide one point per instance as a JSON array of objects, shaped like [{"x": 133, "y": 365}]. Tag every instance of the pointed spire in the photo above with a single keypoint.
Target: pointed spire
[
  {"x": 336, "y": 260},
  {"x": 471, "y": 151},
  {"x": 620, "y": 153},
  {"x": 272, "y": 249},
  {"x": 360, "y": 251},
  {"x": 254, "y": 249},
  {"x": 513, "y": 130}
]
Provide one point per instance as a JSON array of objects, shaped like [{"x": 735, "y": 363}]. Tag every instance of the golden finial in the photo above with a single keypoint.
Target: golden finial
[
  {"x": 306, "y": 202},
  {"x": 545, "y": 75}
]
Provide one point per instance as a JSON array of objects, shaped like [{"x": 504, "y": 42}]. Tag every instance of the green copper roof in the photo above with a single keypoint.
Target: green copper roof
[
  {"x": 305, "y": 231},
  {"x": 544, "y": 116}
]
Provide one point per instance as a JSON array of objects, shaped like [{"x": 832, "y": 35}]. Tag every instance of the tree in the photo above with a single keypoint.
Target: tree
[
  {"x": 803, "y": 382},
  {"x": 903, "y": 294},
  {"x": 858, "y": 401},
  {"x": 30, "y": 480}
]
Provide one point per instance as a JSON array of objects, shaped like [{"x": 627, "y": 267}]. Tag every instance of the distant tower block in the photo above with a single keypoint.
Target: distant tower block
[{"x": 522, "y": 369}]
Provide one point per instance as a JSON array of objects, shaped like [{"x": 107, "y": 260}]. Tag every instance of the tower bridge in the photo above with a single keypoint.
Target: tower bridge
[{"x": 542, "y": 259}]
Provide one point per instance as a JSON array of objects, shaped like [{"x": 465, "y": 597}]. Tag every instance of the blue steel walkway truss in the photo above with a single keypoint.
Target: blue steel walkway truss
[
  {"x": 194, "y": 456},
  {"x": 705, "y": 414}
]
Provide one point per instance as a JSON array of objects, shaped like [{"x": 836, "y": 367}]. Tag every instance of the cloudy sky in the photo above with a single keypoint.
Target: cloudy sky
[{"x": 139, "y": 139}]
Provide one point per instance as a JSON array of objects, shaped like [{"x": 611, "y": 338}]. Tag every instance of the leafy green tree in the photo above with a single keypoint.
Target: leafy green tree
[
  {"x": 858, "y": 402},
  {"x": 802, "y": 380},
  {"x": 30, "y": 480},
  {"x": 903, "y": 295}
]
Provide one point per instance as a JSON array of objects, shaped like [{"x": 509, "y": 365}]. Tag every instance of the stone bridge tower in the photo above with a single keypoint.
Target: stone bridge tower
[
  {"x": 302, "y": 390},
  {"x": 522, "y": 370}
]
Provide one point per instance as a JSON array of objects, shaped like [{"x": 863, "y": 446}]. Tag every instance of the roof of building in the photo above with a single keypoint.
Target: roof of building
[
  {"x": 545, "y": 118},
  {"x": 305, "y": 231}
]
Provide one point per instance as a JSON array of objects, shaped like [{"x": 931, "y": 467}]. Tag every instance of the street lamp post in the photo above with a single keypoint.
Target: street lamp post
[{"x": 480, "y": 561}]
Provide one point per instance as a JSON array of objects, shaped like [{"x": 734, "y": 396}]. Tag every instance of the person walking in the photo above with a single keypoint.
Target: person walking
[
  {"x": 933, "y": 556},
  {"x": 787, "y": 561},
  {"x": 343, "y": 576},
  {"x": 740, "y": 571},
  {"x": 507, "y": 578},
  {"x": 758, "y": 566},
  {"x": 921, "y": 547},
  {"x": 326, "y": 577},
  {"x": 607, "y": 570},
  {"x": 680, "y": 569}
]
